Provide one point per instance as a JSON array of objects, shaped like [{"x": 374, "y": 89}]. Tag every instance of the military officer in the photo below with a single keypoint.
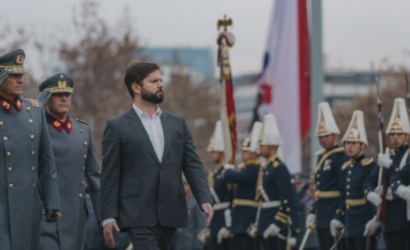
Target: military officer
[
  {"x": 329, "y": 178},
  {"x": 221, "y": 192},
  {"x": 244, "y": 204},
  {"x": 275, "y": 190},
  {"x": 77, "y": 166},
  {"x": 28, "y": 170},
  {"x": 396, "y": 225},
  {"x": 358, "y": 211}
]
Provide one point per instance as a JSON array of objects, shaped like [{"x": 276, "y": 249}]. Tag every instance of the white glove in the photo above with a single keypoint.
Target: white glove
[
  {"x": 371, "y": 227},
  {"x": 272, "y": 230},
  {"x": 291, "y": 241},
  {"x": 223, "y": 233},
  {"x": 228, "y": 166},
  {"x": 403, "y": 192},
  {"x": 334, "y": 225},
  {"x": 384, "y": 159},
  {"x": 374, "y": 198},
  {"x": 310, "y": 220}
]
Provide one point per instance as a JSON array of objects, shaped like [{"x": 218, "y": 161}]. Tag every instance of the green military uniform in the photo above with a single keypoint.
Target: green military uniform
[
  {"x": 28, "y": 173},
  {"x": 77, "y": 164}
]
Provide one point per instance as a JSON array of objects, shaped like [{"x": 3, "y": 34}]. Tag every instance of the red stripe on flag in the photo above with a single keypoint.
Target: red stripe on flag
[
  {"x": 231, "y": 116},
  {"x": 304, "y": 69}
]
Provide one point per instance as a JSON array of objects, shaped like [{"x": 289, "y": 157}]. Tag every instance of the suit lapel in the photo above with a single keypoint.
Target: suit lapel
[
  {"x": 166, "y": 126},
  {"x": 139, "y": 129}
]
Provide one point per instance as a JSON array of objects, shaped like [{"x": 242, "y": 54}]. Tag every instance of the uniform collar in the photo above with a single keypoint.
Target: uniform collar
[
  {"x": 7, "y": 104},
  {"x": 402, "y": 148},
  {"x": 359, "y": 158},
  {"x": 59, "y": 125}
]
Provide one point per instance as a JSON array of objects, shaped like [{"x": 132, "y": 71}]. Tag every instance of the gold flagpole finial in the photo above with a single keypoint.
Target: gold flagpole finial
[{"x": 224, "y": 23}]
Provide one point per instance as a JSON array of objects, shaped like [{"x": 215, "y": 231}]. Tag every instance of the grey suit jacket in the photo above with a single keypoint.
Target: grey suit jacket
[{"x": 139, "y": 190}]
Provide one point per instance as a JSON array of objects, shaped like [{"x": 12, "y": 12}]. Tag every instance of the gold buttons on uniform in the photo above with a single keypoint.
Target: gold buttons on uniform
[
  {"x": 85, "y": 156},
  {"x": 1, "y": 123},
  {"x": 347, "y": 193},
  {"x": 285, "y": 201},
  {"x": 348, "y": 179},
  {"x": 288, "y": 209},
  {"x": 80, "y": 195},
  {"x": 10, "y": 169},
  {"x": 11, "y": 185},
  {"x": 317, "y": 183},
  {"x": 318, "y": 175},
  {"x": 28, "y": 108},
  {"x": 33, "y": 168},
  {"x": 82, "y": 130},
  {"x": 5, "y": 138},
  {"x": 32, "y": 153},
  {"x": 30, "y": 121},
  {"x": 398, "y": 182},
  {"x": 33, "y": 185},
  {"x": 82, "y": 182},
  {"x": 32, "y": 137},
  {"x": 85, "y": 143},
  {"x": 350, "y": 172},
  {"x": 348, "y": 186},
  {"x": 83, "y": 168},
  {"x": 8, "y": 153}
]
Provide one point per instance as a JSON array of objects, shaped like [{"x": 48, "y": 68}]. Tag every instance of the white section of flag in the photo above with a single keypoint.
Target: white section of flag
[{"x": 282, "y": 74}]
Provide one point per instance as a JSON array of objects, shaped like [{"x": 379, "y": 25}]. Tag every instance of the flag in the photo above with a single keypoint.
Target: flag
[
  {"x": 228, "y": 114},
  {"x": 284, "y": 81}
]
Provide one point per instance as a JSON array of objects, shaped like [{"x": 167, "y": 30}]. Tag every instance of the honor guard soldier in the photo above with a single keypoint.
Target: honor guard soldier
[
  {"x": 77, "y": 166},
  {"x": 221, "y": 192},
  {"x": 358, "y": 211},
  {"x": 274, "y": 189},
  {"x": 329, "y": 178},
  {"x": 29, "y": 174},
  {"x": 244, "y": 204},
  {"x": 396, "y": 225}
]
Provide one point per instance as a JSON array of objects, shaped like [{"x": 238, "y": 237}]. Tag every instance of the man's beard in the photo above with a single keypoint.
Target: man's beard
[{"x": 152, "y": 98}]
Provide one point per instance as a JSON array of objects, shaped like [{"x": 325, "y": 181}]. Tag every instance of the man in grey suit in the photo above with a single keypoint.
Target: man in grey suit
[
  {"x": 27, "y": 163},
  {"x": 77, "y": 166},
  {"x": 145, "y": 151}
]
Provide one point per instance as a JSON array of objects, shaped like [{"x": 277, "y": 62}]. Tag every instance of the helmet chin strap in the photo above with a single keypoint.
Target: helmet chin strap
[{"x": 360, "y": 151}]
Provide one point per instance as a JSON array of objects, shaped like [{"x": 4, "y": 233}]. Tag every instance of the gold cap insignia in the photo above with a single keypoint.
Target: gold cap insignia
[
  {"x": 62, "y": 84},
  {"x": 20, "y": 59}
]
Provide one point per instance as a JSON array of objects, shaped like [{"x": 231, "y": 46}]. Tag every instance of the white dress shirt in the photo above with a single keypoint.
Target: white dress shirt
[{"x": 153, "y": 127}]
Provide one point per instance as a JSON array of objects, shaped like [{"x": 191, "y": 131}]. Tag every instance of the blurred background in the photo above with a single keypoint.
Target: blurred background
[{"x": 95, "y": 40}]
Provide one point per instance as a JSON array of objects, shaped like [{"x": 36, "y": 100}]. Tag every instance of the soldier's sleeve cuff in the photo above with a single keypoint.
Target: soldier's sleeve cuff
[
  {"x": 281, "y": 219},
  {"x": 340, "y": 214},
  {"x": 394, "y": 185}
]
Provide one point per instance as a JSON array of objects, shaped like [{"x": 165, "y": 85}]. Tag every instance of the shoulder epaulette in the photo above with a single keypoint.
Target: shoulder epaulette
[
  {"x": 252, "y": 162},
  {"x": 408, "y": 150},
  {"x": 34, "y": 103},
  {"x": 366, "y": 162},
  {"x": 320, "y": 152},
  {"x": 340, "y": 149},
  {"x": 346, "y": 164},
  {"x": 78, "y": 120},
  {"x": 276, "y": 164}
]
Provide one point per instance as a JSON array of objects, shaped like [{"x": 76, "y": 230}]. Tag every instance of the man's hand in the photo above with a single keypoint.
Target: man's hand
[
  {"x": 335, "y": 225},
  {"x": 384, "y": 159},
  {"x": 108, "y": 235},
  {"x": 209, "y": 210},
  {"x": 374, "y": 198}
]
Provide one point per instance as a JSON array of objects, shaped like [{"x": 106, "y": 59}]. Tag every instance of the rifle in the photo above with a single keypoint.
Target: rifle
[{"x": 382, "y": 181}]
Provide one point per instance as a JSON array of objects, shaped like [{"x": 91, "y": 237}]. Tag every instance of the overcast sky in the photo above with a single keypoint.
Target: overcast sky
[{"x": 355, "y": 33}]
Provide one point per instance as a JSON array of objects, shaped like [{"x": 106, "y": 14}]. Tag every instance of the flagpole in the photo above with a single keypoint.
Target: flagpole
[{"x": 316, "y": 78}]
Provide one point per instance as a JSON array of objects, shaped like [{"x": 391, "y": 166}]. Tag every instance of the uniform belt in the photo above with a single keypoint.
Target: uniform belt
[
  {"x": 222, "y": 205},
  {"x": 271, "y": 204},
  {"x": 326, "y": 194},
  {"x": 246, "y": 203},
  {"x": 355, "y": 202}
]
